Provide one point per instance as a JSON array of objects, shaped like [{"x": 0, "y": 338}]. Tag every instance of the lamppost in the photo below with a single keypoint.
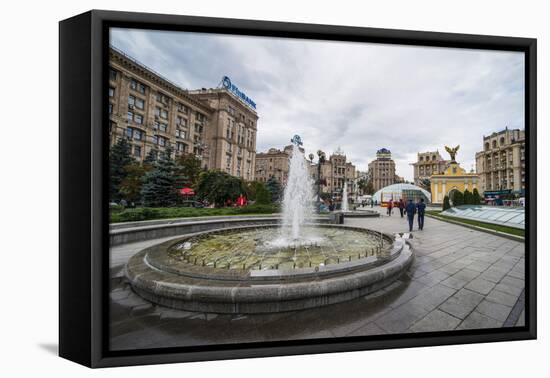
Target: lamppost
[{"x": 321, "y": 160}]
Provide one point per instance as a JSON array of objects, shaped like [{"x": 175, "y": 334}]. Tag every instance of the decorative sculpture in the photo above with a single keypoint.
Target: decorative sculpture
[
  {"x": 452, "y": 152},
  {"x": 296, "y": 140}
]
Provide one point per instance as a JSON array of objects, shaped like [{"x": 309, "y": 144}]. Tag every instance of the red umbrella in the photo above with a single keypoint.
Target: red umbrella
[{"x": 187, "y": 192}]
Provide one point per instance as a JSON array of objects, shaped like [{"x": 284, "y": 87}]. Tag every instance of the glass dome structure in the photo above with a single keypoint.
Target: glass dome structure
[{"x": 402, "y": 190}]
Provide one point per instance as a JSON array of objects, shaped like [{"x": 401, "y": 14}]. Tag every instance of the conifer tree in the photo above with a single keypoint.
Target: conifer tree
[
  {"x": 119, "y": 158},
  {"x": 159, "y": 184}
]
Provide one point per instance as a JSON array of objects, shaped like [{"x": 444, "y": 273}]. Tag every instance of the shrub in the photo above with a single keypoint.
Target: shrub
[{"x": 446, "y": 203}]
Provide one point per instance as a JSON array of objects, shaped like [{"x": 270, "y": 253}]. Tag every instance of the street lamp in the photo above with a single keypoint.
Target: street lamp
[{"x": 321, "y": 160}]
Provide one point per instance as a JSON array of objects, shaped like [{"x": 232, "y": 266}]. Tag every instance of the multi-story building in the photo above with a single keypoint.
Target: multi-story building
[
  {"x": 154, "y": 113},
  {"x": 428, "y": 164},
  {"x": 382, "y": 170},
  {"x": 335, "y": 171},
  {"x": 501, "y": 164},
  {"x": 232, "y": 132},
  {"x": 273, "y": 163}
]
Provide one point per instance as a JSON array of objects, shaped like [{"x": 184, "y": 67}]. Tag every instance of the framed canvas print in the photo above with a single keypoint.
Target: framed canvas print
[{"x": 234, "y": 188}]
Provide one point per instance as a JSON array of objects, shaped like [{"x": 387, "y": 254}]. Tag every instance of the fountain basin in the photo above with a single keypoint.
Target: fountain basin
[{"x": 183, "y": 281}]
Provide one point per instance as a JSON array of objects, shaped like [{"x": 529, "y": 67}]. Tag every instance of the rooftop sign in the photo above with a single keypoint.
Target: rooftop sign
[{"x": 226, "y": 83}]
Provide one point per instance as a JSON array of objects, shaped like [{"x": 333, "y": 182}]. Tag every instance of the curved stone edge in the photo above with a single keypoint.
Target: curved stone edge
[
  {"x": 151, "y": 258},
  {"x": 198, "y": 295},
  {"x": 172, "y": 228}
]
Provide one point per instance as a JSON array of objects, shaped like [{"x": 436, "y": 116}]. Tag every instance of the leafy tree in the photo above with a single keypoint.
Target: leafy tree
[
  {"x": 366, "y": 186},
  {"x": 458, "y": 198},
  {"x": 217, "y": 187},
  {"x": 446, "y": 203},
  {"x": 263, "y": 196},
  {"x": 130, "y": 186},
  {"x": 275, "y": 189},
  {"x": 159, "y": 184},
  {"x": 468, "y": 198},
  {"x": 119, "y": 158},
  {"x": 476, "y": 198},
  {"x": 189, "y": 170}
]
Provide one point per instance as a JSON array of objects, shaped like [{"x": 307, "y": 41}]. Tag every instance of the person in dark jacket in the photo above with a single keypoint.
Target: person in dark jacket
[
  {"x": 390, "y": 207},
  {"x": 410, "y": 210},
  {"x": 401, "y": 206},
  {"x": 421, "y": 209}
]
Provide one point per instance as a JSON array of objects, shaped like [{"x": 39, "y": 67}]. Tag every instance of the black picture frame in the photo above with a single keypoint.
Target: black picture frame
[{"x": 83, "y": 228}]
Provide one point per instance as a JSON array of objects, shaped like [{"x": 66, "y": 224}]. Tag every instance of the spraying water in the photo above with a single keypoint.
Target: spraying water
[
  {"x": 298, "y": 197},
  {"x": 345, "y": 197}
]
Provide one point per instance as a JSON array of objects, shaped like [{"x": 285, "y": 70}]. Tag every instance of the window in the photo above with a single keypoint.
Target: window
[
  {"x": 198, "y": 128},
  {"x": 137, "y": 151},
  {"x": 160, "y": 140},
  {"x": 181, "y": 147},
  {"x": 136, "y": 101},
  {"x": 112, "y": 74},
  {"x": 161, "y": 97},
  {"x": 180, "y": 121},
  {"x": 180, "y": 133},
  {"x": 160, "y": 126},
  {"x": 137, "y": 86},
  {"x": 231, "y": 110},
  {"x": 182, "y": 108},
  {"x": 111, "y": 92},
  {"x": 162, "y": 113},
  {"x": 134, "y": 117},
  {"x": 200, "y": 117},
  {"x": 134, "y": 134},
  {"x": 110, "y": 108}
]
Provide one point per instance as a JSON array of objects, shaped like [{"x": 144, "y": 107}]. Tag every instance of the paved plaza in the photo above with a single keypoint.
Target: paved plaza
[{"x": 460, "y": 279}]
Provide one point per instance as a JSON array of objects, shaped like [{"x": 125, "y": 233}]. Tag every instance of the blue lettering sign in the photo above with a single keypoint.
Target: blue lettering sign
[{"x": 227, "y": 84}]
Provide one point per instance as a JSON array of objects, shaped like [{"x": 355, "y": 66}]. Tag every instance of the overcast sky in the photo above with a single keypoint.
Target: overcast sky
[{"x": 360, "y": 97}]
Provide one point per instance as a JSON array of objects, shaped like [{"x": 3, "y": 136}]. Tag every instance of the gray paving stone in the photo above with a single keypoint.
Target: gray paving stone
[
  {"x": 401, "y": 318},
  {"x": 480, "y": 285},
  {"x": 435, "y": 320},
  {"x": 462, "y": 303},
  {"x": 511, "y": 290},
  {"x": 479, "y": 266},
  {"x": 494, "y": 310},
  {"x": 515, "y": 282},
  {"x": 466, "y": 274},
  {"x": 501, "y": 298},
  {"x": 367, "y": 330},
  {"x": 433, "y": 278},
  {"x": 494, "y": 274},
  {"x": 454, "y": 283},
  {"x": 521, "y": 319},
  {"x": 432, "y": 297},
  {"x": 476, "y": 321}
]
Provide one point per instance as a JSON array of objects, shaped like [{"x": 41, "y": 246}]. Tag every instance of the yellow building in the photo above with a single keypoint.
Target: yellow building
[{"x": 453, "y": 178}]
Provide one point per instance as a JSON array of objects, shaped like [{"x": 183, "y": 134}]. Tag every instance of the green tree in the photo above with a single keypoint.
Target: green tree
[
  {"x": 159, "y": 184},
  {"x": 458, "y": 198},
  {"x": 366, "y": 186},
  {"x": 468, "y": 198},
  {"x": 189, "y": 170},
  {"x": 130, "y": 186},
  {"x": 476, "y": 198},
  {"x": 275, "y": 189},
  {"x": 263, "y": 196},
  {"x": 446, "y": 203},
  {"x": 217, "y": 187},
  {"x": 119, "y": 158}
]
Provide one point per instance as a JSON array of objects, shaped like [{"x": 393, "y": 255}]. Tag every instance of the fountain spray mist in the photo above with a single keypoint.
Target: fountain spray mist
[
  {"x": 298, "y": 197},
  {"x": 345, "y": 206}
]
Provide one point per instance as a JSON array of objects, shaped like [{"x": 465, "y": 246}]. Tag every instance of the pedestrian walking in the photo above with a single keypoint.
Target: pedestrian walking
[
  {"x": 401, "y": 205},
  {"x": 421, "y": 209},
  {"x": 390, "y": 207},
  {"x": 410, "y": 209}
]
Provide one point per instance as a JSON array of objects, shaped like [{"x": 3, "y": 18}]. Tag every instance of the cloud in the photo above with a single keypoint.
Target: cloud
[{"x": 356, "y": 96}]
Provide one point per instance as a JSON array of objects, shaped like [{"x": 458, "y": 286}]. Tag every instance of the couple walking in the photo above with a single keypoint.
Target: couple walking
[{"x": 411, "y": 209}]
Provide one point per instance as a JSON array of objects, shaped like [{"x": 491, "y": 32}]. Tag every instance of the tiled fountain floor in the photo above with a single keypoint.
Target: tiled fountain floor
[{"x": 460, "y": 279}]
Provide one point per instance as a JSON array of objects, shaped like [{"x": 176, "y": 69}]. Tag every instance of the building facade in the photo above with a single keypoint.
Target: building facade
[
  {"x": 454, "y": 178},
  {"x": 231, "y": 137},
  {"x": 336, "y": 171},
  {"x": 501, "y": 164},
  {"x": 273, "y": 163},
  {"x": 152, "y": 113},
  {"x": 426, "y": 165},
  {"x": 382, "y": 170}
]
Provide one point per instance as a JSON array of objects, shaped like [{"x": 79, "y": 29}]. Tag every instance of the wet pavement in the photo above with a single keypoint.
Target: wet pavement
[{"x": 460, "y": 279}]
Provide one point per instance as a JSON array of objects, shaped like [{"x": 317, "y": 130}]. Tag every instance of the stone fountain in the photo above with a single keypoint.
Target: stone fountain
[{"x": 261, "y": 268}]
